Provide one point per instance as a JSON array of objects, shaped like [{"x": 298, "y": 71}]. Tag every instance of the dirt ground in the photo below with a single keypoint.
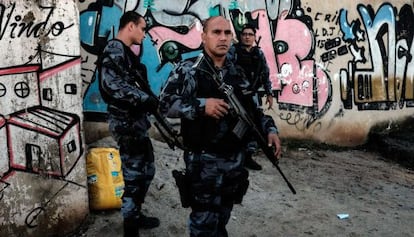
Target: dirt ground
[{"x": 378, "y": 196}]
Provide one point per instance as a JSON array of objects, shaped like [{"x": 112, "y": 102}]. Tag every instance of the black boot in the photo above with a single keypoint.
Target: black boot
[
  {"x": 250, "y": 163},
  {"x": 145, "y": 222},
  {"x": 130, "y": 227}
]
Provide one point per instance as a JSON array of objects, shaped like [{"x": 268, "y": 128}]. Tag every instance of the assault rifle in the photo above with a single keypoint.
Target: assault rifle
[
  {"x": 167, "y": 132},
  {"x": 245, "y": 121}
]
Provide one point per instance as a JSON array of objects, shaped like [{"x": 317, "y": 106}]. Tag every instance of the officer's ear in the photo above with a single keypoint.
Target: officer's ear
[
  {"x": 203, "y": 37},
  {"x": 130, "y": 26}
]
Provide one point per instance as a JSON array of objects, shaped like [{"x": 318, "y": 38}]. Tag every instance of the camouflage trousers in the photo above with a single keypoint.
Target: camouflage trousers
[
  {"x": 217, "y": 183},
  {"x": 138, "y": 170},
  {"x": 137, "y": 156}
]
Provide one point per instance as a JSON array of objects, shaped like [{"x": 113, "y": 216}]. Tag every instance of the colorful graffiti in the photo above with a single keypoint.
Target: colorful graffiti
[
  {"x": 299, "y": 83},
  {"x": 315, "y": 53},
  {"x": 380, "y": 75}
]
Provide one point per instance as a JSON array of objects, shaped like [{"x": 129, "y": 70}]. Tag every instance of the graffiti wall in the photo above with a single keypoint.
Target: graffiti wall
[
  {"x": 43, "y": 188},
  {"x": 337, "y": 69}
]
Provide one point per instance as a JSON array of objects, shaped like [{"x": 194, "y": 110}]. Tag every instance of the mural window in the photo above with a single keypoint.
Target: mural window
[
  {"x": 33, "y": 156},
  {"x": 47, "y": 94},
  {"x": 22, "y": 89},
  {"x": 71, "y": 146},
  {"x": 70, "y": 89},
  {"x": 3, "y": 90}
]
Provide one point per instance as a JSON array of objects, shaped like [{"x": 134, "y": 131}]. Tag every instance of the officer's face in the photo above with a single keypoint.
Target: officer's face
[
  {"x": 138, "y": 32},
  {"x": 217, "y": 38},
  {"x": 248, "y": 37}
]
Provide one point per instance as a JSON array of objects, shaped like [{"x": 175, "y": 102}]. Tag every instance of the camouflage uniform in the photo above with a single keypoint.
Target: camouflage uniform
[
  {"x": 214, "y": 162},
  {"x": 255, "y": 66},
  {"x": 257, "y": 71},
  {"x": 128, "y": 108}
]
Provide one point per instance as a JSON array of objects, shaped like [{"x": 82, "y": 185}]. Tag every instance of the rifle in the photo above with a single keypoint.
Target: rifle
[
  {"x": 169, "y": 134},
  {"x": 245, "y": 121}
]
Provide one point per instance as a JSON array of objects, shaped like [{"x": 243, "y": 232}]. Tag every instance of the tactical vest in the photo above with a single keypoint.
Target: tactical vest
[
  {"x": 133, "y": 65},
  {"x": 250, "y": 62},
  {"x": 206, "y": 133}
]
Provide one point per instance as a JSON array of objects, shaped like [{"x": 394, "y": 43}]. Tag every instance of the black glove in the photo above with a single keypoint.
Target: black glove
[{"x": 151, "y": 104}]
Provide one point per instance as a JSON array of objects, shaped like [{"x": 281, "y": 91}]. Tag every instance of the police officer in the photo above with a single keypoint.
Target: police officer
[
  {"x": 215, "y": 156},
  {"x": 128, "y": 108},
  {"x": 251, "y": 58}
]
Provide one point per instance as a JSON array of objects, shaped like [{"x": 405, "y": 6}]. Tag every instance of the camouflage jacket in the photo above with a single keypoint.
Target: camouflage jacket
[
  {"x": 184, "y": 96},
  {"x": 126, "y": 101},
  {"x": 255, "y": 66}
]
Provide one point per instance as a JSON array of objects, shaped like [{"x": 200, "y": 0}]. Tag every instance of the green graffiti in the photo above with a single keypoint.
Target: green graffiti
[
  {"x": 148, "y": 4},
  {"x": 214, "y": 11},
  {"x": 233, "y": 5}
]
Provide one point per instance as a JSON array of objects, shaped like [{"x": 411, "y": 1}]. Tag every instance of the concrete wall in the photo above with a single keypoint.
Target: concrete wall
[
  {"x": 43, "y": 189},
  {"x": 338, "y": 68}
]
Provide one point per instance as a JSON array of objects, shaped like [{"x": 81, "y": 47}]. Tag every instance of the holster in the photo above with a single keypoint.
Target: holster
[
  {"x": 241, "y": 191},
  {"x": 184, "y": 187},
  {"x": 236, "y": 187}
]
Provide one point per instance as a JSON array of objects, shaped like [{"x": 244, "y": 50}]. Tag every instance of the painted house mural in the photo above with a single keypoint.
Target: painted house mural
[
  {"x": 42, "y": 171},
  {"x": 52, "y": 141}
]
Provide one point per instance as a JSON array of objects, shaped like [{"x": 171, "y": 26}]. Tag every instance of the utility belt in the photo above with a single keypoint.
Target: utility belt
[
  {"x": 117, "y": 110},
  {"x": 135, "y": 145},
  {"x": 215, "y": 151},
  {"x": 232, "y": 147},
  {"x": 124, "y": 111}
]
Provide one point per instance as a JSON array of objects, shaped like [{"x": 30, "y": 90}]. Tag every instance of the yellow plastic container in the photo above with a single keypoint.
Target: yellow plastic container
[{"x": 105, "y": 180}]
